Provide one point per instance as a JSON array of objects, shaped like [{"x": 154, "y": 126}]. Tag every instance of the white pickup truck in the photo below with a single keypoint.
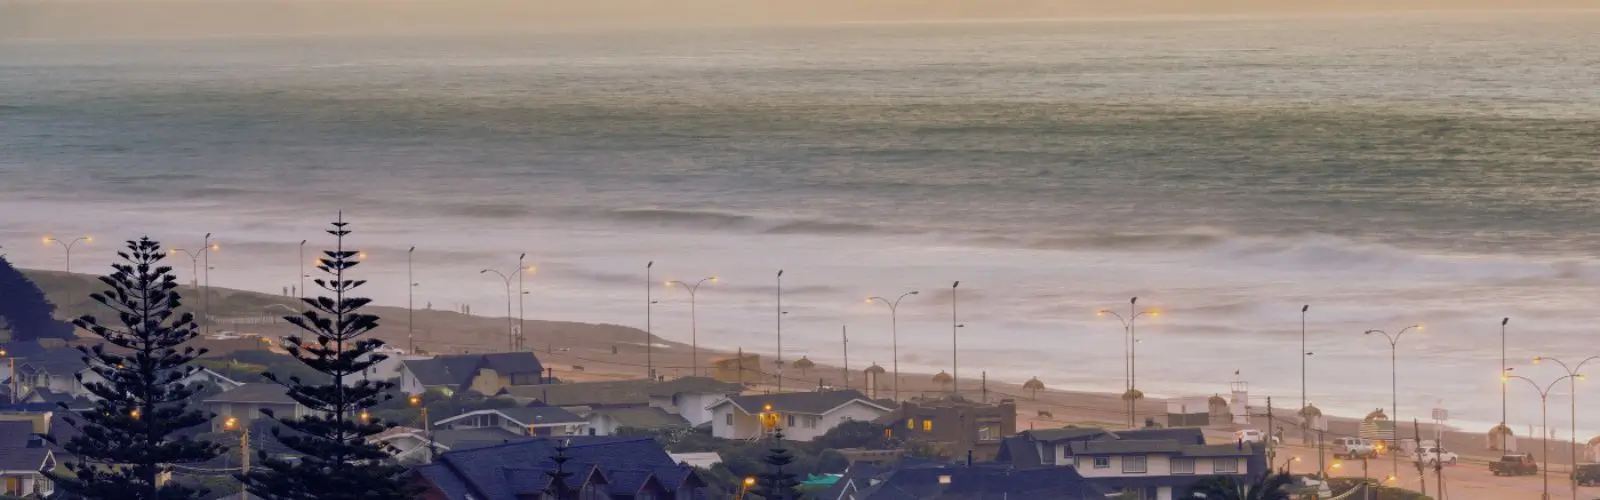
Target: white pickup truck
[{"x": 1433, "y": 455}]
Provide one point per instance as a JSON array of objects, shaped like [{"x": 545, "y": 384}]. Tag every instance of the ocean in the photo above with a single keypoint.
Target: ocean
[{"x": 1385, "y": 169}]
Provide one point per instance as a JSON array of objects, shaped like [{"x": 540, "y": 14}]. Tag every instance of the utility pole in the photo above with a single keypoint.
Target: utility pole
[
  {"x": 1272, "y": 451},
  {"x": 411, "y": 286},
  {"x": 649, "y": 340},
  {"x": 955, "y": 367},
  {"x": 1422, "y": 476},
  {"x": 779, "y": 363},
  {"x": 844, "y": 332}
]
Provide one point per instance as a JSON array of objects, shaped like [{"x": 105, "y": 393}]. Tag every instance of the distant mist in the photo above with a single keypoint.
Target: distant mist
[{"x": 190, "y": 18}]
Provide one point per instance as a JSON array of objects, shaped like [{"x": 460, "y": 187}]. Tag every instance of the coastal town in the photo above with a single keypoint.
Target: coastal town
[{"x": 486, "y": 407}]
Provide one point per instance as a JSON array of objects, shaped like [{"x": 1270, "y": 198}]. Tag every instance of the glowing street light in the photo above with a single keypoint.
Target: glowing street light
[
  {"x": 1544, "y": 417},
  {"x": 894, "y": 332},
  {"x": 694, "y": 326},
  {"x": 1394, "y": 386},
  {"x": 1130, "y": 352},
  {"x": 67, "y": 245},
  {"x": 1575, "y": 372}
]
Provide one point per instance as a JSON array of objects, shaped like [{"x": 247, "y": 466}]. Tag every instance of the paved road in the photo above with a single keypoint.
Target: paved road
[{"x": 1465, "y": 481}]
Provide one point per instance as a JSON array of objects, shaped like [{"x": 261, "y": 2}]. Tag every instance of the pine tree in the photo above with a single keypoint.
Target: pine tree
[
  {"x": 25, "y": 310},
  {"x": 336, "y": 461},
  {"x": 127, "y": 441},
  {"x": 775, "y": 484},
  {"x": 559, "y": 489}
]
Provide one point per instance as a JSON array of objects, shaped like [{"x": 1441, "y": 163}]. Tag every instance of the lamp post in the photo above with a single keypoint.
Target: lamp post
[
  {"x": 1394, "y": 391},
  {"x": 302, "y": 293},
  {"x": 894, "y": 332},
  {"x": 955, "y": 374},
  {"x": 411, "y": 287},
  {"x": 1544, "y": 418},
  {"x": 744, "y": 487},
  {"x": 427, "y": 429},
  {"x": 1503, "y": 387},
  {"x": 694, "y": 323},
  {"x": 233, "y": 424},
  {"x": 649, "y": 335},
  {"x": 1128, "y": 324},
  {"x": 511, "y": 335},
  {"x": 13, "y": 377},
  {"x": 195, "y": 256},
  {"x": 779, "y": 376},
  {"x": 67, "y": 245},
  {"x": 1574, "y": 373},
  {"x": 1303, "y": 354},
  {"x": 522, "y": 326}
]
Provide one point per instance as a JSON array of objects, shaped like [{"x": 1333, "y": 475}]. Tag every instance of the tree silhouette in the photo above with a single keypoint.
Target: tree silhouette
[
  {"x": 127, "y": 440},
  {"x": 559, "y": 489},
  {"x": 336, "y": 460},
  {"x": 775, "y": 483},
  {"x": 25, "y": 310}
]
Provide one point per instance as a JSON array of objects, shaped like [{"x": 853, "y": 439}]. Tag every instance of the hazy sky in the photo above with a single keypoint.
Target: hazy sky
[{"x": 64, "y": 18}]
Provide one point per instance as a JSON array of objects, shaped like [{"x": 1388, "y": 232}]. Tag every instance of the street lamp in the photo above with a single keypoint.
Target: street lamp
[
  {"x": 1574, "y": 373},
  {"x": 894, "y": 332},
  {"x": 411, "y": 288},
  {"x": 232, "y": 424},
  {"x": 67, "y": 245},
  {"x": 649, "y": 334},
  {"x": 302, "y": 294},
  {"x": 511, "y": 335},
  {"x": 427, "y": 429},
  {"x": 694, "y": 324},
  {"x": 1544, "y": 418},
  {"x": 955, "y": 374},
  {"x": 744, "y": 487},
  {"x": 195, "y": 257},
  {"x": 10, "y": 360},
  {"x": 1394, "y": 389},
  {"x": 522, "y": 327},
  {"x": 779, "y": 315},
  {"x": 1128, "y": 330},
  {"x": 1503, "y": 387}
]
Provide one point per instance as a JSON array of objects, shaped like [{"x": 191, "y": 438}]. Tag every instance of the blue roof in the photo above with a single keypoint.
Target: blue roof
[
  {"x": 982, "y": 481},
  {"x": 504, "y": 471}
]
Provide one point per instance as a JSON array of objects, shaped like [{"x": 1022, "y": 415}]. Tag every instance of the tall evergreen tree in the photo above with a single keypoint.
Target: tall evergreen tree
[
  {"x": 26, "y": 311},
  {"x": 559, "y": 489},
  {"x": 336, "y": 461},
  {"x": 775, "y": 483},
  {"x": 127, "y": 440}
]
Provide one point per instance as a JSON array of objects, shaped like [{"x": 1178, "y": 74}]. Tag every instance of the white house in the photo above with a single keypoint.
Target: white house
[
  {"x": 691, "y": 397},
  {"x": 246, "y": 402},
  {"x": 803, "y": 416},
  {"x": 202, "y": 375},
  {"x": 606, "y": 421},
  {"x": 1161, "y": 469},
  {"x": 390, "y": 368},
  {"x": 24, "y": 457},
  {"x": 685, "y": 397}
]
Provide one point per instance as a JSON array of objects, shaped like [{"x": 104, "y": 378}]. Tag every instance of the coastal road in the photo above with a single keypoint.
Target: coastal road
[{"x": 1469, "y": 480}]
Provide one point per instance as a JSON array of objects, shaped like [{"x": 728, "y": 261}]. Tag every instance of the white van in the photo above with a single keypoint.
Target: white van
[{"x": 1351, "y": 448}]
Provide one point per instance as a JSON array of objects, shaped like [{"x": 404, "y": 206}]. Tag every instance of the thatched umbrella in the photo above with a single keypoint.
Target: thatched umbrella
[
  {"x": 1375, "y": 415},
  {"x": 1498, "y": 434},
  {"x": 1034, "y": 385},
  {"x": 874, "y": 372},
  {"x": 1133, "y": 395},
  {"x": 804, "y": 364},
  {"x": 943, "y": 379}
]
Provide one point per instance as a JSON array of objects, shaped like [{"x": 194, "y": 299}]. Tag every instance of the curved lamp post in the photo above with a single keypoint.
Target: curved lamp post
[
  {"x": 694, "y": 323},
  {"x": 511, "y": 334},
  {"x": 1574, "y": 372},
  {"x": 1544, "y": 414},
  {"x": 1128, "y": 332},
  {"x": 67, "y": 245},
  {"x": 1394, "y": 391},
  {"x": 894, "y": 332}
]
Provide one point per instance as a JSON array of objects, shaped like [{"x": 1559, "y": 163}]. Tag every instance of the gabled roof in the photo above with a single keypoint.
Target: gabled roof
[
  {"x": 1019, "y": 451},
  {"x": 269, "y": 393},
  {"x": 1064, "y": 434},
  {"x": 58, "y": 362},
  {"x": 963, "y": 482},
  {"x": 1219, "y": 450},
  {"x": 609, "y": 393},
  {"x": 1125, "y": 447},
  {"x": 533, "y": 416},
  {"x": 483, "y": 472},
  {"x": 642, "y": 417},
  {"x": 812, "y": 403},
  {"x": 456, "y": 370},
  {"x": 25, "y": 459},
  {"x": 15, "y": 433},
  {"x": 55, "y": 399},
  {"x": 694, "y": 385},
  {"x": 1184, "y": 435}
]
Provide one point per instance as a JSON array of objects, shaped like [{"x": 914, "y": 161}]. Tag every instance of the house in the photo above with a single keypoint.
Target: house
[
  {"x": 24, "y": 458},
  {"x": 606, "y": 421},
  {"x": 246, "y": 402},
  {"x": 686, "y": 397},
  {"x": 1158, "y": 464},
  {"x": 958, "y": 424},
  {"x": 524, "y": 421},
  {"x": 55, "y": 399},
  {"x": 1163, "y": 469},
  {"x": 53, "y": 369},
  {"x": 484, "y": 373},
  {"x": 389, "y": 368},
  {"x": 601, "y": 467},
  {"x": 200, "y": 376},
  {"x": 802, "y": 415},
  {"x": 965, "y": 481}
]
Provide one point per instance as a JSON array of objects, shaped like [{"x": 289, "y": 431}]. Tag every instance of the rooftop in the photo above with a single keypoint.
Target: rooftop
[
  {"x": 814, "y": 403},
  {"x": 269, "y": 393}
]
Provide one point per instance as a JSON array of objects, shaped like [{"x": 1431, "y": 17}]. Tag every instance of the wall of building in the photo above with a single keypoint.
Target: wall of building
[
  {"x": 745, "y": 426},
  {"x": 691, "y": 407}
]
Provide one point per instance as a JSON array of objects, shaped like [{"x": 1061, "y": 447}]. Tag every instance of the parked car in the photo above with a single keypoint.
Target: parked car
[
  {"x": 1514, "y": 464},
  {"x": 1587, "y": 474},
  {"x": 1433, "y": 455},
  {"x": 1351, "y": 448},
  {"x": 1253, "y": 436}
]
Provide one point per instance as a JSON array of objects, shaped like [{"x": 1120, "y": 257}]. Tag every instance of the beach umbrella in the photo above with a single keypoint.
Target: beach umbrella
[
  {"x": 942, "y": 378},
  {"x": 1133, "y": 395},
  {"x": 1034, "y": 385},
  {"x": 804, "y": 364}
]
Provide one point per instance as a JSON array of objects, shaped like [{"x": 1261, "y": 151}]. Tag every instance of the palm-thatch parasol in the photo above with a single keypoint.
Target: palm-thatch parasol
[
  {"x": 804, "y": 364},
  {"x": 1033, "y": 385},
  {"x": 1133, "y": 395},
  {"x": 942, "y": 378}
]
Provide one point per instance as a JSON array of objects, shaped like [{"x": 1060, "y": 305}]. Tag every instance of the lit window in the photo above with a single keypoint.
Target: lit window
[
  {"x": 1183, "y": 466},
  {"x": 1135, "y": 465},
  {"x": 1102, "y": 462},
  {"x": 911, "y": 423},
  {"x": 927, "y": 426},
  {"x": 1225, "y": 465}
]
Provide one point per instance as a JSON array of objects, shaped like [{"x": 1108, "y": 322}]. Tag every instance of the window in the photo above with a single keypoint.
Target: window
[
  {"x": 791, "y": 420},
  {"x": 1102, "y": 462},
  {"x": 911, "y": 423},
  {"x": 1183, "y": 466},
  {"x": 1225, "y": 465},
  {"x": 988, "y": 433},
  {"x": 1134, "y": 465},
  {"x": 927, "y": 426},
  {"x": 728, "y": 418},
  {"x": 811, "y": 422}
]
